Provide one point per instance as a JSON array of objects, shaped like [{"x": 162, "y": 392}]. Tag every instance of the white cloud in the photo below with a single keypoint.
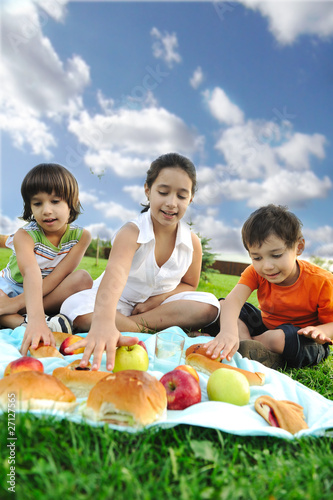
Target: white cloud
[
  {"x": 289, "y": 188},
  {"x": 224, "y": 238},
  {"x": 100, "y": 230},
  {"x": 197, "y": 78},
  {"x": 36, "y": 86},
  {"x": 136, "y": 193},
  {"x": 259, "y": 148},
  {"x": 289, "y": 20},
  {"x": 222, "y": 108},
  {"x": 112, "y": 210},
  {"x": 122, "y": 165},
  {"x": 296, "y": 152},
  {"x": 115, "y": 141},
  {"x": 247, "y": 149},
  {"x": 10, "y": 226},
  {"x": 165, "y": 47},
  {"x": 87, "y": 198}
]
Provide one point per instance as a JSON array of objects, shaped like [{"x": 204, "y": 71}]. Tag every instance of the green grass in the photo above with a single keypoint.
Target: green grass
[{"x": 63, "y": 460}]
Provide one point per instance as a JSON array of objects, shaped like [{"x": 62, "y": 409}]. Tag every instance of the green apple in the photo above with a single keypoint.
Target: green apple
[
  {"x": 228, "y": 386},
  {"x": 131, "y": 357}
]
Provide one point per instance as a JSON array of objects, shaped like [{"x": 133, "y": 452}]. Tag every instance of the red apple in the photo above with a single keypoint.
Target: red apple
[
  {"x": 141, "y": 342},
  {"x": 189, "y": 369},
  {"x": 68, "y": 342},
  {"x": 131, "y": 357},
  {"x": 24, "y": 364},
  {"x": 182, "y": 389}
]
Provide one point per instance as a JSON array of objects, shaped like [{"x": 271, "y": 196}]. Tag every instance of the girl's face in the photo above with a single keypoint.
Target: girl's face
[
  {"x": 275, "y": 262},
  {"x": 170, "y": 195},
  {"x": 50, "y": 211}
]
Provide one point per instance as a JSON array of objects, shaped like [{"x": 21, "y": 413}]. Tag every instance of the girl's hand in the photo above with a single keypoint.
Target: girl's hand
[
  {"x": 224, "y": 346},
  {"x": 148, "y": 305},
  {"x": 314, "y": 333},
  {"x": 33, "y": 335},
  {"x": 97, "y": 342}
]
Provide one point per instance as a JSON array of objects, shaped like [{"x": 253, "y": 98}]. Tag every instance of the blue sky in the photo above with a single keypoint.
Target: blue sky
[{"x": 243, "y": 88}]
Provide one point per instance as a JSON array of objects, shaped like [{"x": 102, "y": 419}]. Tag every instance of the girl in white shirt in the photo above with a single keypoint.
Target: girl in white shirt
[{"x": 152, "y": 273}]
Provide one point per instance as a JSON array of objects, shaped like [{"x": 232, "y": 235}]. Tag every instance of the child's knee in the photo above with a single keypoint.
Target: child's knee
[{"x": 83, "y": 280}]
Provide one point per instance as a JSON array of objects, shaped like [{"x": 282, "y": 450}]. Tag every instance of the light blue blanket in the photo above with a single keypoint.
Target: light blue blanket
[{"x": 240, "y": 420}]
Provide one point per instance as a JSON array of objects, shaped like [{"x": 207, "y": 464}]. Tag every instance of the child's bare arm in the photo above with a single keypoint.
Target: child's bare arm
[
  {"x": 103, "y": 334},
  {"x": 64, "y": 268},
  {"x": 37, "y": 329},
  {"x": 189, "y": 281},
  {"x": 67, "y": 265},
  {"x": 226, "y": 341}
]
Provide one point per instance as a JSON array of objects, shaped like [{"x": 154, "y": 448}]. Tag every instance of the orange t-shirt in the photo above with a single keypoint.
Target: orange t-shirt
[{"x": 308, "y": 302}]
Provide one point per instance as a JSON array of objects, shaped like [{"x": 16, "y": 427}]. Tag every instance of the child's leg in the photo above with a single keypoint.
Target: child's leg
[
  {"x": 124, "y": 323},
  {"x": 187, "y": 314},
  {"x": 274, "y": 340},
  {"x": 11, "y": 320},
  {"x": 75, "y": 282}
]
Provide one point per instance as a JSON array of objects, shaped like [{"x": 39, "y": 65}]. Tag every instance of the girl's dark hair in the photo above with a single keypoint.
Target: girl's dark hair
[
  {"x": 268, "y": 220},
  {"x": 170, "y": 160},
  {"x": 49, "y": 178}
]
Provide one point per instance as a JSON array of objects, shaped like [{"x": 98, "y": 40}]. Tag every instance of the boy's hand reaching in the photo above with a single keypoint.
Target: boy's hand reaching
[
  {"x": 224, "y": 345},
  {"x": 316, "y": 334},
  {"x": 34, "y": 335}
]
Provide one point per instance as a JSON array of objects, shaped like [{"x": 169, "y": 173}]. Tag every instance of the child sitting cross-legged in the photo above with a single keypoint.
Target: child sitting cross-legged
[{"x": 294, "y": 325}]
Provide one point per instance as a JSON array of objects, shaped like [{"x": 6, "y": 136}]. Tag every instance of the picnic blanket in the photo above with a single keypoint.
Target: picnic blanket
[{"x": 240, "y": 420}]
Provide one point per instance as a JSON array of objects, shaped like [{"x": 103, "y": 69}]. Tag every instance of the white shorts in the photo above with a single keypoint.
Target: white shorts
[{"x": 82, "y": 303}]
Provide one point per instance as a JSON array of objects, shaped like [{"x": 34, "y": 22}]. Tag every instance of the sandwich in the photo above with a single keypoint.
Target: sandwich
[
  {"x": 208, "y": 366},
  {"x": 33, "y": 390},
  {"x": 79, "y": 380},
  {"x": 283, "y": 414},
  {"x": 130, "y": 397}
]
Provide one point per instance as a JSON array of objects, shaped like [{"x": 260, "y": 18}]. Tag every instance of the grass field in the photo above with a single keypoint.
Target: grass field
[{"x": 63, "y": 460}]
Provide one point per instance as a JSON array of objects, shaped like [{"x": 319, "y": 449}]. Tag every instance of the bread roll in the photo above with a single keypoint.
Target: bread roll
[
  {"x": 79, "y": 380},
  {"x": 199, "y": 349},
  {"x": 208, "y": 366},
  {"x": 59, "y": 337},
  {"x": 129, "y": 397},
  {"x": 45, "y": 351},
  {"x": 35, "y": 391}
]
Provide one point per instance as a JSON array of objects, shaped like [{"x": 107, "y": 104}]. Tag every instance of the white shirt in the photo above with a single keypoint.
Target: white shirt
[{"x": 146, "y": 278}]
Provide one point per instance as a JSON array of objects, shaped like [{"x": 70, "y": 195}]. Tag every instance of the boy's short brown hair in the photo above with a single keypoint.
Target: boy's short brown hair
[
  {"x": 268, "y": 220},
  {"x": 49, "y": 178}
]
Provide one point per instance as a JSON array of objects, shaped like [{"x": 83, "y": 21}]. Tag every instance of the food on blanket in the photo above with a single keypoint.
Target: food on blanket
[
  {"x": 72, "y": 339},
  {"x": 198, "y": 349},
  {"x": 23, "y": 364},
  {"x": 141, "y": 342},
  {"x": 79, "y": 380},
  {"x": 181, "y": 388},
  {"x": 131, "y": 357},
  {"x": 35, "y": 391},
  {"x": 129, "y": 397},
  {"x": 208, "y": 366},
  {"x": 59, "y": 337},
  {"x": 189, "y": 369},
  {"x": 229, "y": 387},
  {"x": 45, "y": 351},
  {"x": 284, "y": 414}
]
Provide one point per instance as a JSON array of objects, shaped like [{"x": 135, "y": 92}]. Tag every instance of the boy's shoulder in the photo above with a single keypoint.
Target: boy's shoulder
[{"x": 314, "y": 270}]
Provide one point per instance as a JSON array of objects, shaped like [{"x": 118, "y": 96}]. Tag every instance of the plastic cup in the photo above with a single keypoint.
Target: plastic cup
[{"x": 168, "y": 351}]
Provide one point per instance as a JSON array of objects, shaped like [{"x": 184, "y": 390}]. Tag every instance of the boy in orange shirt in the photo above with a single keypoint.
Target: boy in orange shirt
[{"x": 294, "y": 325}]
